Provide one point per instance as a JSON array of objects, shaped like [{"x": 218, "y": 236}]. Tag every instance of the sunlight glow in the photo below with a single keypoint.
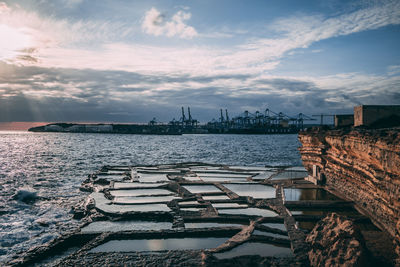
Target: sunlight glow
[{"x": 12, "y": 41}]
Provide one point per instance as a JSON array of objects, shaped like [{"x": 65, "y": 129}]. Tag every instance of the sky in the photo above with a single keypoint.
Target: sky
[{"x": 129, "y": 61}]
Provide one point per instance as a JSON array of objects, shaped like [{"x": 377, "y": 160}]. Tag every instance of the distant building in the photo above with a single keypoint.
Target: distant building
[
  {"x": 367, "y": 115},
  {"x": 344, "y": 120}
]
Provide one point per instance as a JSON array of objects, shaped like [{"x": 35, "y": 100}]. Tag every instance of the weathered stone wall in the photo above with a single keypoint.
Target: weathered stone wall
[
  {"x": 344, "y": 120},
  {"x": 363, "y": 165},
  {"x": 367, "y": 115}
]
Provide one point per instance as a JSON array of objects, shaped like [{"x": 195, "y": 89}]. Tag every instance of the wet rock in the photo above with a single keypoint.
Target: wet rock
[
  {"x": 336, "y": 241},
  {"x": 42, "y": 222},
  {"x": 26, "y": 195}
]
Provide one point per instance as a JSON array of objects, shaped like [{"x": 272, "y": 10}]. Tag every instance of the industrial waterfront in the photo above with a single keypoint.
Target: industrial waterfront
[{"x": 267, "y": 122}]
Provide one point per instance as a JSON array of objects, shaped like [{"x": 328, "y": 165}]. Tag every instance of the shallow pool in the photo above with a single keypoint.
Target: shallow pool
[
  {"x": 252, "y": 190},
  {"x": 296, "y": 194},
  {"x": 144, "y": 200},
  {"x": 211, "y": 224},
  {"x": 248, "y": 212},
  {"x": 256, "y": 248},
  {"x": 108, "y": 226},
  {"x": 159, "y": 244},
  {"x": 140, "y": 192},
  {"x": 202, "y": 189}
]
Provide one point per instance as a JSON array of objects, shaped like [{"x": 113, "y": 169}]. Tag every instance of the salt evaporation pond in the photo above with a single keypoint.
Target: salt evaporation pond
[
  {"x": 110, "y": 226},
  {"x": 256, "y": 248},
  {"x": 54, "y": 165},
  {"x": 255, "y": 191},
  {"x": 296, "y": 194},
  {"x": 210, "y": 224},
  {"x": 202, "y": 189},
  {"x": 159, "y": 244},
  {"x": 249, "y": 212},
  {"x": 140, "y": 192}
]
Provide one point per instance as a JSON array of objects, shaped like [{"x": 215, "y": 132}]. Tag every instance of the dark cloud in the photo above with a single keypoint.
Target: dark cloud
[{"x": 52, "y": 94}]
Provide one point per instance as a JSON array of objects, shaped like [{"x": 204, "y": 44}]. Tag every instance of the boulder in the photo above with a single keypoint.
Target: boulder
[{"x": 336, "y": 241}]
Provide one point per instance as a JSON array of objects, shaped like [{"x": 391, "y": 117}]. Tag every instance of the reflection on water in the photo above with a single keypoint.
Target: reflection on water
[
  {"x": 118, "y": 185},
  {"x": 249, "y": 212},
  {"x": 255, "y": 248},
  {"x": 141, "y": 200},
  {"x": 210, "y": 224},
  {"x": 202, "y": 189},
  {"x": 258, "y": 232},
  {"x": 140, "y": 192},
  {"x": 296, "y": 194},
  {"x": 279, "y": 226},
  {"x": 108, "y": 226},
  {"x": 159, "y": 244},
  {"x": 252, "y": 190},
  {"x": 290, "y": 175},
  {"x": 349, "y": 212}
]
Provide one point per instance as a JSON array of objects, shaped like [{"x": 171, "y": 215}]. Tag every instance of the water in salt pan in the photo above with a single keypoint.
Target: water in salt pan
[
  {"x": 290, "y": 175},
  {"x": 256, "y": 248},
  {"x": 225, "y": 180},
  {"x": 104, "y": 205},
  {"x": 249, "y": 168},
  {"x": 159, "y": 244},
  {"x": 143, "y": 200},
  {"x": 263, "y": 175},
  {"x": 258, "y": 232},
  {"x": 252, "y": 190},
  {"x": 219, "y": 197},
  {"x": 136, "y": 208},
  {"x": 119, "y": 185},
  {"x": 296, "y": 168},
  {"x": 192, "y": 209},
  {"x": 228, "y": 205},
  {"x": 111, "y": 177},
  {"x": 118, "y": 171},
  {"x": 108, "y": 226},
  {"x": 350, "y": 212},
  {"x": 224, "y": 175},
  {"x": 188, "y": 202},
  {"x": 152, "y": 177},
  {"x": 140, "y": 192},
  {"x": 192, "y": 178},
  {"x": 202, "y": 189},
  {"x": 296, "y": 194},
  {"x": 248, "y": 212},
  {"x": 279, "y": 226},
  {"x": 210, "y": 224}
]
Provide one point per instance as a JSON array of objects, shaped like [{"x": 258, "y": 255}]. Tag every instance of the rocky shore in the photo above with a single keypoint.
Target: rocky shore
[
  {"x": 195, "y": 214},
  {"x": 361, "y": 165}
]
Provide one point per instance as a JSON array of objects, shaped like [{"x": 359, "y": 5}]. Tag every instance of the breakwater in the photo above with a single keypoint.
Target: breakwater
[{"x": 163, "y": 129}]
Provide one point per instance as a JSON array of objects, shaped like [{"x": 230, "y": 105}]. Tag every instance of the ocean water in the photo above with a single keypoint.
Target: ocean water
[{"x": 40, "y": 173}]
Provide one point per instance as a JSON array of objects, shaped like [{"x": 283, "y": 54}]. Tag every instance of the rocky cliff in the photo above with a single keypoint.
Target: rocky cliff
[{"x": 361, "y": 165}]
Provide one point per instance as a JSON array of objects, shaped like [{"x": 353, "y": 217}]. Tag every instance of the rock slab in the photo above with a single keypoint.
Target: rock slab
[{"x": 336, "y": 241}]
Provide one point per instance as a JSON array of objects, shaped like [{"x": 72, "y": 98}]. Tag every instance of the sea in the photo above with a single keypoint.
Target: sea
[{"x": 40, "y": 173}]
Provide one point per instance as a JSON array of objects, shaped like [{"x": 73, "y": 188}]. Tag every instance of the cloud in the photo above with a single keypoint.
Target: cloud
[
  {"x": 54, "y": 94},
  {"x": 88, "y": 70},
  {"x": 156, "y": 23},
  {"x": 301, "y": 31},
  {"x": 104, "y": 45}
]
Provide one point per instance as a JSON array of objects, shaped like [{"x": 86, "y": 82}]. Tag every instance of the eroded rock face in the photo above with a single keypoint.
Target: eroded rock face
[
  {"x": 362, "y": 165},
  {"x": 336, "y": 241}
]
